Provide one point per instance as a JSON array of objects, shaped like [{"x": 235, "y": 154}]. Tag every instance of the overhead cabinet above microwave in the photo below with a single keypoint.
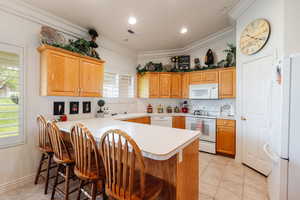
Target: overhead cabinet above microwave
[
  {"x": 65, "y": 73},
  {"x": 214, "y": 84}
]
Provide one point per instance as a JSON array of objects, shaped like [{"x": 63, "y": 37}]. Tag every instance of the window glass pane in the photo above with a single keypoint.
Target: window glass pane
[{"x": 9, "y": 94}]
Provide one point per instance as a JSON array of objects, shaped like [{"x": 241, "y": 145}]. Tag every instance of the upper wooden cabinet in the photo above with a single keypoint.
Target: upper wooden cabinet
[
  {"x": 91, "y": 78},
  {"x": 165, "y": 85},
  {"x": 176, "y": 85},
  {"x": 204, "y": 77},
  {"x": 185, "y": 85},
  {"x": 196, "y": 77},
  {"x": 154, "y": 80},
  {"x": 210, "y": 76},
  {"x": 148, "y": 85},
  {"x": 65, "y": 73},
  {"x": 227, "y": 83}
]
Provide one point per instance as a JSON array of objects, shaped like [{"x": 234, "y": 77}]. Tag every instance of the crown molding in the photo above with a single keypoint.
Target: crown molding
[
  {"x": 190, "y": 47},
  {"x": 39, "y": 16},
  {"x": 240, "y": 8},
  {"x": 42, "y": 17}
]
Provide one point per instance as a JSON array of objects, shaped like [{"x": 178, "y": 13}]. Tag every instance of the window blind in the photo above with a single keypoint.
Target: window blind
[
  {"x": 126, "y": 86},
  {"x": 110, "y": 85},
  {"x": 118, "y": 85}
]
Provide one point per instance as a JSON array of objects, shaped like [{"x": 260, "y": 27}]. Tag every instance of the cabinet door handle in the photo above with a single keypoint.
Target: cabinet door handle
[{"x": 243, "y": 118}]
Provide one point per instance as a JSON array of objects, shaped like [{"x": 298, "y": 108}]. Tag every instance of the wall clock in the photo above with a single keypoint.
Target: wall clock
[{"x": 255, "y": 36}]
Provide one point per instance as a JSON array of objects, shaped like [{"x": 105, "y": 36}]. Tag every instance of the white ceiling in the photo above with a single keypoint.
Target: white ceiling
[{"x": 159, "y": 21}]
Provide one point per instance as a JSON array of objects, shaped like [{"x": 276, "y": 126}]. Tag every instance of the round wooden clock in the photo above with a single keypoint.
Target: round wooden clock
[{"x": 255, "y": 36}]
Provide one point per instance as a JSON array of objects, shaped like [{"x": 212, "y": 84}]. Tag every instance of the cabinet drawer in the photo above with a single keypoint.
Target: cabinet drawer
[{"x": 226, "y": 122}]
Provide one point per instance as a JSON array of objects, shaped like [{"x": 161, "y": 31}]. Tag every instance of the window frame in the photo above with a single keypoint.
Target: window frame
[{"x": 20, "y": 139}]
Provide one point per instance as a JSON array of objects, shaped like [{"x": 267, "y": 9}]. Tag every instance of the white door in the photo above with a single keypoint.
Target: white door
[{"x": 256, "y": 96}]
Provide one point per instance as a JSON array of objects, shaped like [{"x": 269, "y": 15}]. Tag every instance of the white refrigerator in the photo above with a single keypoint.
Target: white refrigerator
[{"x": 283, "y": 147}]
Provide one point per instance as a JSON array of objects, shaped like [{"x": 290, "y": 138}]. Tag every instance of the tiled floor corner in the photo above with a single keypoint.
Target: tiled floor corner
[{"x": 221, "y": 178}]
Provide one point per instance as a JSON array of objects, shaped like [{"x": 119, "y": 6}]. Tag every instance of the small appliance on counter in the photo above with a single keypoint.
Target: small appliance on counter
[
  {"x": 160, "y": 109},
  {"x": 176, "y": 109},
  {"x": 184, "y": 107},
  {"x": 100, "y": 112},
  {"x": 149, "y": 109},
  {"x": 169, "y": 109}
]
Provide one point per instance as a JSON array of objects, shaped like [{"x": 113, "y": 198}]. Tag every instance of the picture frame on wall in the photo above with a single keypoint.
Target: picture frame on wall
[
  {"x": 58, "y": 108},
  {"x": 74, "y": 107},
  {"x": 86, "y": 107}
]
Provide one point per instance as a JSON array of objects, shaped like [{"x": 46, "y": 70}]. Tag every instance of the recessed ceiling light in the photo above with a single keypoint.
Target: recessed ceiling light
[
  {"x": 132, "y": 20},
  {"x": 184, "y": 30}
]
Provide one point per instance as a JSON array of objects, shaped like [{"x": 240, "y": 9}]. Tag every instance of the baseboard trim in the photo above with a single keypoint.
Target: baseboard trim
[{"x": 17, "y": 183}]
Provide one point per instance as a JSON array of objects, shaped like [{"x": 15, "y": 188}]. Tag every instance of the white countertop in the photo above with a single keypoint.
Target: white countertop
[
  {"x": 158, "y": 143},
  {"x": 137, "y": 115}
]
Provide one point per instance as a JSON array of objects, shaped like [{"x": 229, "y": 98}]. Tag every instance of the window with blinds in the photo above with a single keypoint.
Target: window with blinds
[
  {"x": 126, "y": 86},
  {"x": 116, "y": 85},
  {"x": 10, "y": 95}
]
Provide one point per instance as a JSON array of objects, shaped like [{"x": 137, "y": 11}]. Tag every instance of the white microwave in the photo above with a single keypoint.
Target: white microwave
[{"x": 204, "y": 91}]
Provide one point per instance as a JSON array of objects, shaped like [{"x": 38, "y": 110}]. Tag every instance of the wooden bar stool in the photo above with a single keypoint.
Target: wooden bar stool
[
  {"x": 88, "y": 165},
  {"x": 63, "y": 156},
  {"x": 125, "y": 169},
  {"x": 46, "y": 150}
]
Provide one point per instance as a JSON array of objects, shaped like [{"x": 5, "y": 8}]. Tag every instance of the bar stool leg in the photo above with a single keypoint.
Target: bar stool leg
[
  {"x": 50, "y": 155},
  {"x": 79, "y": 191},
  {"x": 39, "y": 169},
  {"x": 94, "y": 190},
  {"x": 67, "y": 177},
  {"x": 55, "y": 182}
]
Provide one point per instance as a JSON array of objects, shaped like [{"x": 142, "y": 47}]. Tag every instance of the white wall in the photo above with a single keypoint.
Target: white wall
[
  {"x": 273, "y": 11},
  {"x": 292, "y": 28},
  {"x": 19, "y": 163}
]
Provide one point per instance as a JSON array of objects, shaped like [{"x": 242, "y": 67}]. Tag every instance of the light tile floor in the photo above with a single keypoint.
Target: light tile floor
[{"x": 221, "y": 178}]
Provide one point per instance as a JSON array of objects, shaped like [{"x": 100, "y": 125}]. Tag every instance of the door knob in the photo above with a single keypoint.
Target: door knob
[{"x": 243, "y": 118}]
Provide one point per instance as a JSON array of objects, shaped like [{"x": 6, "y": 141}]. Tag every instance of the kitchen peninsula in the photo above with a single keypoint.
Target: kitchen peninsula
[{"x": 170, "y": 154}]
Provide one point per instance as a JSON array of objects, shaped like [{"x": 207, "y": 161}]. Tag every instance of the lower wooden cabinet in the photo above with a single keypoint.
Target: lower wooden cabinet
[
  {"x": 226, "y": 137},
  {"x": 178, "y": 122},
  {"x": 141, "y": 120}
]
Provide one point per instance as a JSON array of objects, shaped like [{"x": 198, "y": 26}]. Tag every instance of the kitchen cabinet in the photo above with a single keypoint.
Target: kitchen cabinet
[
  {"x": 185, "y": 85},
  {"x": 148, "y": 85},
  {"x": 227, "y": 83},
  {"x": 210, "y": 76},
  {"x": 154, "y": 89},
  {"x": 165, "y": 85},
  {"x": 141, "y": 120},
  {"x": 196, "y": 77},
  {"x": 176, "y": 81},
  {"x": 204, "y": 77},
  {"x": 226, "y": 137},
  {"x": 91, "y": 78},
  {"x": 65, "y": 73},
  {"x": 178, "y": 122}
]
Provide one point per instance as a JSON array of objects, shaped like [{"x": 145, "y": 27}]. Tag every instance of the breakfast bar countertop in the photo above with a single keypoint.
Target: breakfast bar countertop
[{"x": 155, "y": 142}]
